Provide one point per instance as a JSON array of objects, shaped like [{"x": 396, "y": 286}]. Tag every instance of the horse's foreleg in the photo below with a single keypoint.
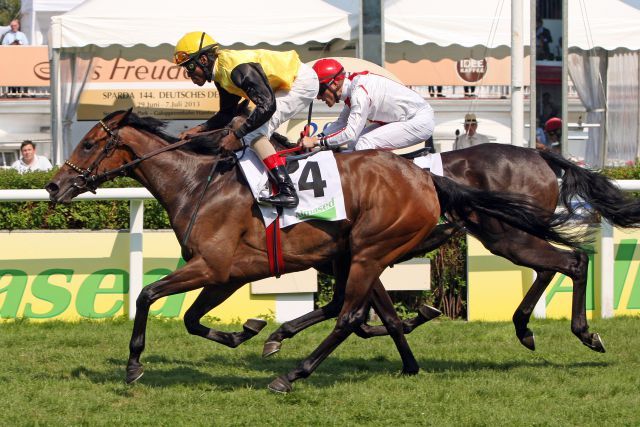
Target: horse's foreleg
[
  {"x": 190, "y": 276},
  {"x": 351, "y": 316},
  {"x": 289, "y": 329},
  {"x": 210, "y": 297},
  {"x": 382, "y": 304}
]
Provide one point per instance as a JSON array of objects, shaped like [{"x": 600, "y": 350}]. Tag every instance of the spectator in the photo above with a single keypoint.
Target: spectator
[
  {"x": 541, "y": 137},
  {"x": 553, "y": 131},
  {"x": 379, "y": 113},
  {"x": 435, "y": 90},
  {"x": 30, "y": 161},
  {"x": 469, "y": 91},
  {"x": 14, "y": 36},
  {"x": 548, "y": 108},
  {"x": 470, "y": 137},
  {"x": 543, "y": 41}
]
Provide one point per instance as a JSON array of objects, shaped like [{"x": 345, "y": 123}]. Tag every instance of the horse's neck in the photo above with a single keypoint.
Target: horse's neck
[{"x": 174, "y": 177}]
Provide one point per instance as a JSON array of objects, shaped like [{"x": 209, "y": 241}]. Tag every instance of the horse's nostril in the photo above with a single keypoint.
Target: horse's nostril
[{"x": 52, "y": 188}]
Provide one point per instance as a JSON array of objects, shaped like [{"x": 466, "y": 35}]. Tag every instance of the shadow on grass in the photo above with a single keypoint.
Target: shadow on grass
[{"x": 198, "y": 372}]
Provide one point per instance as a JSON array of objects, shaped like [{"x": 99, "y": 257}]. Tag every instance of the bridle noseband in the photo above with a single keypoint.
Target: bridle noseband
[
  {"x": 88, "y": 180},
  {"x": 85, "y": 179}
]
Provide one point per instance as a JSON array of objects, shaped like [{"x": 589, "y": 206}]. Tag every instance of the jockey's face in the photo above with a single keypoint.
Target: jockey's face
[
  {"x": 332, "y": 93},
  {"x": 195, "y": 72}
]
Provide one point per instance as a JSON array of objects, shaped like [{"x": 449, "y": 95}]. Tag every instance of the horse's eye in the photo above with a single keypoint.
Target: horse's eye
[{"x": 87, "y": 145}]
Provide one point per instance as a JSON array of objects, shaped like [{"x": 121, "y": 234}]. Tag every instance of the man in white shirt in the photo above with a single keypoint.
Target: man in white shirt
[
  {"x": 379, "y": 113},
  {"x": 30, "y": 161},
  {"x": 14, "y": 36},
  {"x": 470, "y": 137}
]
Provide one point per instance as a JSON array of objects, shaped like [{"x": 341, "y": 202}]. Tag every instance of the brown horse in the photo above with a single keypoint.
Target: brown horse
[
  {"x": 499, "y": 167},
  {"x": 225, "y": 246}
]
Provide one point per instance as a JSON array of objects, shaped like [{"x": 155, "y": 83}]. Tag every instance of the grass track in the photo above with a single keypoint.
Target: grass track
[{"x": 472, "y": 374}]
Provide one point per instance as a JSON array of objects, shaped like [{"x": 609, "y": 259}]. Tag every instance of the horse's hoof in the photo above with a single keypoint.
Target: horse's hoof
[
  {"x": 428, "y": 313},
  {"x": 280, "y": 385},
  {"x": 254, "y": 326},
  {"x": 410, "y": 372},
  {"x": 528, "y": 340},
  {"x": 270, "y": 348},
  {"x": 596, "y": 343},
  {"x": 134, "y": 372}
]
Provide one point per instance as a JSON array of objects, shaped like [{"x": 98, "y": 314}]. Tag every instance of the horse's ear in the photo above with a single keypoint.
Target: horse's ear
[{"x": 126, "y": 116}]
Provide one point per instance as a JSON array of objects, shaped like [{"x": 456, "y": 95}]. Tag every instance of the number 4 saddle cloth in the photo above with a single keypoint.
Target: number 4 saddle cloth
[{"x": 317, "y": 182}]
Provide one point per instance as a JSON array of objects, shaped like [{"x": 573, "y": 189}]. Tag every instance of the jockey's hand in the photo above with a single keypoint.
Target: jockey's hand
[
  {"x": 191, "y": 132},
  {"x": 310, "y": 141},
  {"x": 230, "y": 143}
]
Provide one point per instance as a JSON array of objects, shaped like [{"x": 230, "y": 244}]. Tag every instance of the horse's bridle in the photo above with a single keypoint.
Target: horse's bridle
[
  {"x": 88, "y": 180},
  {"x": 85, "y": 180}
]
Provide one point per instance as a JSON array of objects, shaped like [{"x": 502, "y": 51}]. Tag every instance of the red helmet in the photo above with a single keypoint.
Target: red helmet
[
  {"x": 328, "y": 69},
  {"x": 554, "y": 123}
]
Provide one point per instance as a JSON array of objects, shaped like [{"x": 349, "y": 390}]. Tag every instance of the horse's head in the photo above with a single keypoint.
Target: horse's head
[{"x": 99, "y": 150}]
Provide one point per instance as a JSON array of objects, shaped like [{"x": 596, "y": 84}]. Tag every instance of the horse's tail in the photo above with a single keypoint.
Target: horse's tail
[
  {"x": 461, "y": 201},
  {"x": 600, "y": 195}
]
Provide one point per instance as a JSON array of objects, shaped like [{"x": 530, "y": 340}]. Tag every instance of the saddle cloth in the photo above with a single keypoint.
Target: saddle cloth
[
  {"x": 433, "y": 162},
  {"x": 316, "y": 180}
]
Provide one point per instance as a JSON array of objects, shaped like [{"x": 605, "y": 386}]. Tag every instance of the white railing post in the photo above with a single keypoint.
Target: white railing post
[
  {"x": 135, "y": 253},
  {"x": 607, "y": 259}
]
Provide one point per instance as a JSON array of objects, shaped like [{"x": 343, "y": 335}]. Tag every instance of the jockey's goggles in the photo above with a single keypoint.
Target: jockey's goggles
[{"x": 181, "y": 58}]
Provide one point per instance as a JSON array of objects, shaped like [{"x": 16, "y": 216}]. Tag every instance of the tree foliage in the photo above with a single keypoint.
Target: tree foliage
[{"x": 9, "y": 10}]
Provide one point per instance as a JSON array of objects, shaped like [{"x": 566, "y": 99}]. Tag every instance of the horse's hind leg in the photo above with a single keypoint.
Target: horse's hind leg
[
  {"x": 351, "y": 316},
  {"x": 546, "y": 259},
  {"x": 191, "y": 276},
  {"x": 209, "y": 298}
]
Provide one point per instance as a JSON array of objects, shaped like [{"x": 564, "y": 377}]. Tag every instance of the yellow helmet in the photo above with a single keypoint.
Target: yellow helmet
[{"x": 191, "y": 44}]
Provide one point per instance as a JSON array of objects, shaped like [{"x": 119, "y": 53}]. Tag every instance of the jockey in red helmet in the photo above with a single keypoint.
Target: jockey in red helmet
[{"x": 379, "y": 113}]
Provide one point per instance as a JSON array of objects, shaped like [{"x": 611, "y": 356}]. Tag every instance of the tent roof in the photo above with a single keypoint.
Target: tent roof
[
  {"x": 145, "y": 22},
  {"x": 452, "y": 22},
  {"x": 608, "y": 24},
  {"x": 28, "y": 6}
]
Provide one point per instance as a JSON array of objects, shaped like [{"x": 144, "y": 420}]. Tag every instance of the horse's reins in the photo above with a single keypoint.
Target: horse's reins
[{"x": 90, "y": 181}]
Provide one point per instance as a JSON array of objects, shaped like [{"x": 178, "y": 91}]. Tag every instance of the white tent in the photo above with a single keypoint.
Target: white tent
[
  {"x": 36, "y": 17},
  {"x": 148, "y": 29},
  {"x": 449, "y": 29},
  {"x": 604, "y": 64}
]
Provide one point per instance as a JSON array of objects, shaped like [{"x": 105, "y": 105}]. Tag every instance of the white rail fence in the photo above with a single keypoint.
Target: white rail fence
[{"x": 136, "y": 196}]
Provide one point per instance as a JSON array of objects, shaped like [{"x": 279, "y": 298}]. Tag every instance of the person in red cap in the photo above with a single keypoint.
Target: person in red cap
[
  {"x": 553, "y": 131},
  {"x": 379, "y": 113}
]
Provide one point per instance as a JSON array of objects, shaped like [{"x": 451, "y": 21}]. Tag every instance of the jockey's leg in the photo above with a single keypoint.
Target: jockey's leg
[
  {"x": 392, "y": 136},
  {"x": 286, "y": 195}
]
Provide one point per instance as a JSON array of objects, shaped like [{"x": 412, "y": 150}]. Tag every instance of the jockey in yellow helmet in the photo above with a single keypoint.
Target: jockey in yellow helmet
[{"x": 277, "y": 83}]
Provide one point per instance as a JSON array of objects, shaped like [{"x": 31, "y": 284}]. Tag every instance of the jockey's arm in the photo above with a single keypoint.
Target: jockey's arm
[
  {"x": 253, "y": 81},
  {"x": 228, "y": 106},
  {"x": 356, "y": 121},
  {"x": 340, "y": 123}
]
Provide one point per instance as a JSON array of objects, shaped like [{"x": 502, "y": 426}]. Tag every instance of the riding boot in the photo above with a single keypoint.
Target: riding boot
[{"x": 286, "y": 196}]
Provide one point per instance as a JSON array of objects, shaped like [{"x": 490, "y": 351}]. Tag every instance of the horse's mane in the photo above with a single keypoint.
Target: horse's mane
[{"x": 200, "y": 145}]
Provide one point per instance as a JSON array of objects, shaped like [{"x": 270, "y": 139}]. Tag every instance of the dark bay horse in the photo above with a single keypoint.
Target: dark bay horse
[
  {"x": 507, "y": 168},
  {"x": 391, "y": 207}
]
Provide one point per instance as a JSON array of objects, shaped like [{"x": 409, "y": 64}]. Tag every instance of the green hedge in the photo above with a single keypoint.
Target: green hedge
[{"x": 94, "y": 215}]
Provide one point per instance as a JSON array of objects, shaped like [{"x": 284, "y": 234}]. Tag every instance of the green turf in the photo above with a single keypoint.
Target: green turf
[{"x": 472, "y": 374}]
